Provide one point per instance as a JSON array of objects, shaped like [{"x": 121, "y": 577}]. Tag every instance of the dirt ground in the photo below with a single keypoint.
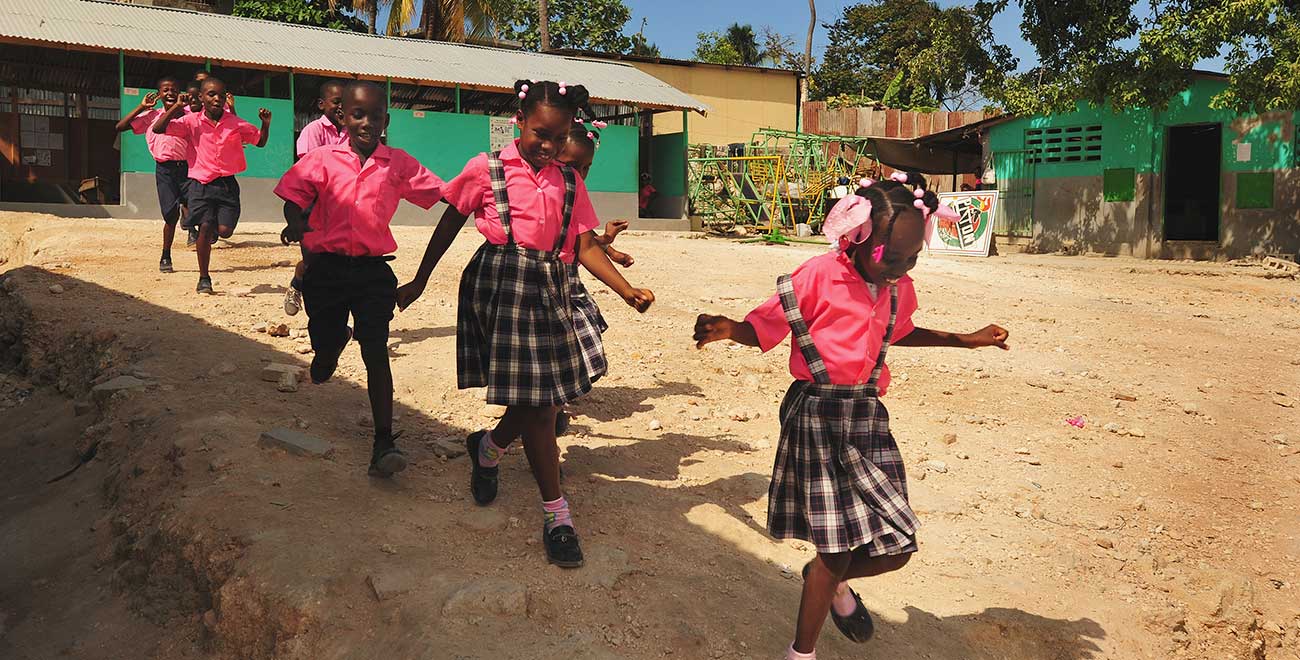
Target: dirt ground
[{"x": 1166, "y": 527}]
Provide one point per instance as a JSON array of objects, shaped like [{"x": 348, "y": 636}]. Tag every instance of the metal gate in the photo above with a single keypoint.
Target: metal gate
[{"x": 1015, "y": 174}]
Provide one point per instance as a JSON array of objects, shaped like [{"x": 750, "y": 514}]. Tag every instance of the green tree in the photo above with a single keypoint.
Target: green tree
[
  {"x": 642, "y": 47},
  {"x": 1100, "y": 52},
  {"x": 744, "y": 42},
  {"x": 595, "y": 25},
  {"x": 714, "y": 48},
  {"x": 912, "y": 54},
  {"x": 779, "y": 50},
  {"x": 318, "y": 13}
]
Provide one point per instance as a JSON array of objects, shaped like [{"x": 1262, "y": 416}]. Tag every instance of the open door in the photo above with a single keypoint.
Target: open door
[{"x": 1192, "y": 182}]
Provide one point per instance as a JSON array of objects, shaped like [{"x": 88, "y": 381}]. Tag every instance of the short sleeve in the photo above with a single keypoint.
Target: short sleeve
[
  {"x": 420, "y": 186},
  {"x": 302, "y": 183},
  {"x": 907, "y": 305},
  {"x": 249, "y": 133},
  {"x": 143, "y": 122},
  {"x": 769, "y": 323},
  {"x": 466, "y": 192},
  {"x": 182, "y": 126},
  {"x": 584, "y": 217},
  {"x": 303, "y": 145}
]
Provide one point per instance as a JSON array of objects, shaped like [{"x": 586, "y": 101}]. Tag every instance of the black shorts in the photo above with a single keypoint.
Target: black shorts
[
  {"x": 215, "y": 203},
  {"x": 336, "y": 286},
  {"x": 173, "y": 180}
]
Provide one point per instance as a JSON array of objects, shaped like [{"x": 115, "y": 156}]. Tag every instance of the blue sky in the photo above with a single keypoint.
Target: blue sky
[{"x": 672, "y": 24}]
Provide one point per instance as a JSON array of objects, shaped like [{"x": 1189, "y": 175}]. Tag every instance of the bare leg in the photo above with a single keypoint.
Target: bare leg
[
  {"x": 379, "y": 385},
  {"x": 543, "y": 453},
  {"x": 203, "y": 249},
  {"x": 824, "y": 577},
  {"x": 863, "y": 566}
]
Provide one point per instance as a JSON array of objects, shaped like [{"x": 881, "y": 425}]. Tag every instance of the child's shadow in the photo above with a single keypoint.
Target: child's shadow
[
  {"x": 606, "y": 404},
  {"x": 415, "y": 336}
]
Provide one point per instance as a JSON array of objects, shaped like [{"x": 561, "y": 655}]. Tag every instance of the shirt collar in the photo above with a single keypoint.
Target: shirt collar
[
  {"x": 511, "y": 152},
  {"x": 326, "y": 123}
]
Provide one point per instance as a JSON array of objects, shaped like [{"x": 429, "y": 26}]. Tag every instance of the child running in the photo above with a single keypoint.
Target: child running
[
  {"x": 195, "y": 105},
  {"x": 515, "y": 330},
  {"x": 353, "y": 190},
  {"x": 218, "y": 137},
  {"x": 327, "y": 130},
  {"x": 171, "y": 156},
  {"x": 839, "y": 481},
  {"x": 579, "y": 153}
]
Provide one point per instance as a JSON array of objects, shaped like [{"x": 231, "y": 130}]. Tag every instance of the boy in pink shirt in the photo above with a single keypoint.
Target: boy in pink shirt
[
  {"x": 171, "y": 155},
  {"x": 353, "y": 191},
  {"x": 838, "y": 480},
  {"x": 218, "y": 137},
  {"x": 325, "y": 131}
]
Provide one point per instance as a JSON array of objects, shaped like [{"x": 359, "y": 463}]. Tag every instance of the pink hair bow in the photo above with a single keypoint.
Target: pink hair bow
[{"x": 849, "y": 222}]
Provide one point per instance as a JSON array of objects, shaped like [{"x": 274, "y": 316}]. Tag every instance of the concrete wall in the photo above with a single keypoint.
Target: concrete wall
[
  {"x": 741, "y": 100},
  {"x": 1070, "y": 214}
]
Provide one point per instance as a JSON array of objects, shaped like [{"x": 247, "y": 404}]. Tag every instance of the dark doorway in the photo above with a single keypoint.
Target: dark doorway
[{"x": 1192, "y": 164}]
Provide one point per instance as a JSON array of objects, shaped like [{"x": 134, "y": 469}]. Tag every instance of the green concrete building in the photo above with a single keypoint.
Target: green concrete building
[{"x": 1184, "y": 182}]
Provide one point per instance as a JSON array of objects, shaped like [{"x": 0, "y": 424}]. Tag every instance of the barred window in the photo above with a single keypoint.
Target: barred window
[{"x": 1067, "y": 144}]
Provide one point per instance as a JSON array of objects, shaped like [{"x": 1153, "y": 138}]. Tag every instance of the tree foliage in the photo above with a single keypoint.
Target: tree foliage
[
  {"x": 1102, "y": 52},
  {"x": 912, "y": 54},
  {"x": 745, "y": 43},
  {"x": 779, "y": 50},
  {"x": 715, "y": 48},
  {"x": 318, "y": 13},
  {"x": 595, "y": 25},
  {"x": 642, "y": 47}
]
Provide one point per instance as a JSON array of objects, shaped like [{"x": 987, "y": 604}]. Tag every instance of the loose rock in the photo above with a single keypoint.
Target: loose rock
[
  {"x": 278, "y": 330},
  {"x": 738, "y": 415},
  {"x": 295, "y": 442},
  {"x": 656, "y": 425},
  {"x": 259, "y": 327},
  {"x": 272, "y": 372},
  {"x": 1023, "y": 451},
  {"x": 950, "y": 439},
  {"x": 488, "y": 597},
  {"x": 56, "y": 289},
  {"x": 1105, "y": 542},
  {"x": 448, "y": 448},
  {"x": 1124, "y": 396},
  {"x": 935, "y": 466},
  {"x": 288, "y": 383}
]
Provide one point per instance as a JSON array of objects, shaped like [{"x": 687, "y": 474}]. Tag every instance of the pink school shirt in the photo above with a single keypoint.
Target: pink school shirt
[
  {"x": 218, "y": 145},
  {"x": 536, "y": 203},
  {"x": 163, "y": 147},
  {"x": 846, "y": 322},
  {"x": 319, "y": 133},
  {"x": 353, "y": 202}
]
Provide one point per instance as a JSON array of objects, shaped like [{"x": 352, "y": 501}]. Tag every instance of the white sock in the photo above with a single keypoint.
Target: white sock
[{"x": 791, "y": 654}]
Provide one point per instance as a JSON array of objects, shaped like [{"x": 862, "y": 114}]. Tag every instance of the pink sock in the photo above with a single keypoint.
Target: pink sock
[
  {"x": 556, "y": 513},
  {"x": 843, "y": 603},
  {"x": 791, "y": 654},
  {"x": 489, "y": 454}
]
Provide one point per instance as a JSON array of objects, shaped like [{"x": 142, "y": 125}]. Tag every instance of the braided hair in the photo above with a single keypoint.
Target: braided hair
[
  {"x": 892, "y": 196},
  {"x": 571, "y": 98},
  {"x": 588, "y": 138}
]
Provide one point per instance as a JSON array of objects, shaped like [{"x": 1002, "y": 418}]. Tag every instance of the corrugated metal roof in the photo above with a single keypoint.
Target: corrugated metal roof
[{"x": 230, "y": 39}]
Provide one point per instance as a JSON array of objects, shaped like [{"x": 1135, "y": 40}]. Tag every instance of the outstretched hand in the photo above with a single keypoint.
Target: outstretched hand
[
  {"x": 264, "y": 114},
  {"x": 992, "y": 335},
  {"x": 640, "y": 299},
  {"x": 709, "y": 328},
  {"x": 408, "y": 293}
]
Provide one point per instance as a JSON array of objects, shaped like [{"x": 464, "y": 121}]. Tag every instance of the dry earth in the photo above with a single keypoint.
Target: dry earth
[{"x": 1167, "y": 527}]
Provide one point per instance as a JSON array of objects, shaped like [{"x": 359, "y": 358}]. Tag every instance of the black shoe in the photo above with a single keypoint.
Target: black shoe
[
  {"x": 323, "y": 366},
  {"x": 204, "y": 285},
  {"x": 561, "y": 423},
  {"x": 165, "y": 265},
  {"x": 192, "y": 237},
  {"x": 482, "y": 480},
  {"x": 562, "y": 547},
  {"x": 858, "y": 626},
  {"x": 385, "y": 463}
]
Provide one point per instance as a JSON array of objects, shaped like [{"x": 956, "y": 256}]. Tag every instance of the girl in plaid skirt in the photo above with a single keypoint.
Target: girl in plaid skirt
[
  {"x": 839, "y": 481},
  {"x": 579, "y": 153},
  {"x": 517, "y": 333}
]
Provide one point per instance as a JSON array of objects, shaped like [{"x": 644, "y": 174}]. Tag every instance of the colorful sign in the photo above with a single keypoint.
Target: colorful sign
[
  {"x": 501, "y": 133},
  {"x": 971, "y": 232}
]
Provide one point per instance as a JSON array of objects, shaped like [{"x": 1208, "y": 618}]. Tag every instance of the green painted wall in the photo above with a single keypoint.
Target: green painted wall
[
  {"x": 1135, "y": 138},
  {"x": 615, "y": 166},
  {"x": 669, "y": 167},
  {"x": 270, "y": 161},
  {"x": 441, "y": 141}
]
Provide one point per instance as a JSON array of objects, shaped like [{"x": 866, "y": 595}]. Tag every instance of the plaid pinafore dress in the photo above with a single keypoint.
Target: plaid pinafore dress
[
  {"x": 515, "y": 327},
  {"x": 588, "y": 324},
  {"x": 838, "y": 481}
]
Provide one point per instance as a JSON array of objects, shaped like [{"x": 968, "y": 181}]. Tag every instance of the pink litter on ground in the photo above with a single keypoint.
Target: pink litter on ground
[{"x": 1076, "y": 422}]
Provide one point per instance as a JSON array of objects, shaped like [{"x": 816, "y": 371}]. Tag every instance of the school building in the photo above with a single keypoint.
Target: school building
[
  {"x": 70, "y": 68},
  {"x": 1184, "y": 182},
  {"x": 741, "y": 100}
]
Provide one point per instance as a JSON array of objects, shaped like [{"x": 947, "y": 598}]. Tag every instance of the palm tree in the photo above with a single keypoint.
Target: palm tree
[
  {"x": 448, "y": 20},
  {"x": 807, "y": 51},
  {"x": 543, "y": 29},
  {"x": 746, "y": 44}
]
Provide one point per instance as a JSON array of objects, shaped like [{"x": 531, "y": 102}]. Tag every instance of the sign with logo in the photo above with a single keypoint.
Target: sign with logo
[
  {"x": 501, "y": 132},
  {"x": 971, "y": 233}
]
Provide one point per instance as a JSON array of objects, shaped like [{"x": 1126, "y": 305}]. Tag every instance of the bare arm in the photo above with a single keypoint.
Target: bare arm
[
  {"x": 297, "y": 224},
  {"x": 592, "y": 256},
  {"x": 451, "y": 223},
  {"x": 124, "y": 124},
  {"x": 160, "y": 125},
  {"x": 989, "y": 336},
  {"x": 716, "y": 328},
  {"x": 265, "y": 116}
]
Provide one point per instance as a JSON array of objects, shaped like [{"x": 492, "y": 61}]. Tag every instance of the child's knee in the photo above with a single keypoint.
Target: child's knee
[
  {"x": 837, "y": 563},
  {"x": 172, "y": 217},
  {"x": 373, "y": 351},
  {"x": 225, "y": 232}
]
